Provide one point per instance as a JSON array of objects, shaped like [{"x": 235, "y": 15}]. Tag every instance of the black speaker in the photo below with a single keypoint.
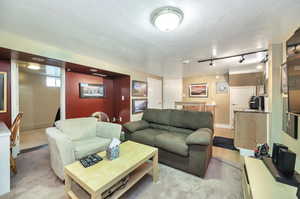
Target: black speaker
[
  {"x": 286, "y": 162},
  {"x": 276, "y": 147}
]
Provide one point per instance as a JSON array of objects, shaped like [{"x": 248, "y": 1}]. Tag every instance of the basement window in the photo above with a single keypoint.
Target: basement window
[{"x": 53, "y": 82}]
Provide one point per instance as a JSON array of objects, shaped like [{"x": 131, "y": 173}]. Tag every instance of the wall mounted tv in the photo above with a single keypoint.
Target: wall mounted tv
[
  {"x": 293, "y": 78},
  {"x": 293, "y": 72}
]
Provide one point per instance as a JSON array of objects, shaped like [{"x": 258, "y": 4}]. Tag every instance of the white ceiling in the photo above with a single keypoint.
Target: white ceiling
[{"x": 120, "y": 32}]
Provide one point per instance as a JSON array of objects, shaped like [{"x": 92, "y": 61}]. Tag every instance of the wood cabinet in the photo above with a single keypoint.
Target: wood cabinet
[
  {"x": 258, "y": 183},
  {"x": 250, "y": 129},
  {"x": 247, "y": 79}
]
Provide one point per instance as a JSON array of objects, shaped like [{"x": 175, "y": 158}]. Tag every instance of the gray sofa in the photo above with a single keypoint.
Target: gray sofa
[{"x": 183, "y": 138}]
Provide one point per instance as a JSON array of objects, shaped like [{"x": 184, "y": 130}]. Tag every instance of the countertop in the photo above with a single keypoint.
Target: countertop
[{"x": 251, "y": 111}]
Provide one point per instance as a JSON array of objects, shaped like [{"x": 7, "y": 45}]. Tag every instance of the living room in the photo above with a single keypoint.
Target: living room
[{"x": 158, "y": 99}]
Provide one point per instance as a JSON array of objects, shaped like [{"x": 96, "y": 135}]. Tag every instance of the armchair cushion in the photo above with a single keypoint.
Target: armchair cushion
[
  {"x": 89, "y": 146},
  {"x": 108, "y": 130},
  {"x": 78, "y": 128},
  {"x": 136, "y": 126},
  {"x": 202, "y": 136},
  {"x": 172, "y": 142}
]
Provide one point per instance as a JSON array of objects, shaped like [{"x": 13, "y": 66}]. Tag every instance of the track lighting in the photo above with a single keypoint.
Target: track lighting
[
  {"x": 242, "y": 59},
  {"x": 265, "y": 60}
]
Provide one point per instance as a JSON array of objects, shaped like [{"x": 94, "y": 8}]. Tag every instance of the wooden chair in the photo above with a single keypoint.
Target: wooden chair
[
  {"x": 13, "y": 140},
  {"x": 101, "y": 116}
]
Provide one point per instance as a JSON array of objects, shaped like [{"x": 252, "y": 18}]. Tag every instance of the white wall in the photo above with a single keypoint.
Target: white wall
[{"x": 172, "y": 91}]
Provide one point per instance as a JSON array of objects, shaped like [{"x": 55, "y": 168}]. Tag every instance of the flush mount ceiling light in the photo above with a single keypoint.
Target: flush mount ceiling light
[
  {"x": 259, "y": 67},
  {"x": 93, "y": 70},
  {"x": 98, "y": 74},
  {"x": 167, "y": 18},
  {"x": 38, "y": 59},
  {"x": 34, "y": 67},
  {"x": 186, "y": 61}
]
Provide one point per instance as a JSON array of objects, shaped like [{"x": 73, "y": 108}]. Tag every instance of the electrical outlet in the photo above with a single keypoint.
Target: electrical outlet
[
  {"x": 123, "y": 98},
  {"x": 120, "y": 119}
]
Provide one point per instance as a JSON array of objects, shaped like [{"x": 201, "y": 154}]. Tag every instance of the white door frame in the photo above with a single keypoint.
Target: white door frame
[
  {"x": 15, "y": 105},
  {"x": 161, "y": 91}
]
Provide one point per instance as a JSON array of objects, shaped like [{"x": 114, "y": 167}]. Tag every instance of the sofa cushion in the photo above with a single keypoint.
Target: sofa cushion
[
  {"x": 157, "y": 116},
  {"x": 136, "y": 125},
  {"x": 78, "y": 128},
  {"x": 181, "y": 130},
  {"x": 191, "y": 119},
  {"x": 172, "y": 142},
  {"x": 89, "y": 146},
  {"x": 146, "y": 136},
  {"x": 159, "y": 126}
]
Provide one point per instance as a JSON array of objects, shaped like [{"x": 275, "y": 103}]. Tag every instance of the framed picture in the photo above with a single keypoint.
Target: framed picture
[
  {"x": 221, "y": 87},
  {"x": 139, "y": 89},
  {"x": 3, "y": 92},
  {"x": 91, "y": 90},
  {"x": 198, "y": 90},
  {"x": 139, "y": 105},
  {"x": 284, "y": 81}
]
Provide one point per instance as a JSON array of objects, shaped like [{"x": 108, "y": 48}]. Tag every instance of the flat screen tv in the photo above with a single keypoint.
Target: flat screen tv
[{"x": 293, "y": 73}]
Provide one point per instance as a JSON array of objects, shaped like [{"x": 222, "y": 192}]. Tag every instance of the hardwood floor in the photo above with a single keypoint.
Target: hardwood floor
[
  {"x": 32, "y": 138},
  {"x": 37, "y": 137},
  {"x": 223, "y": 153}
]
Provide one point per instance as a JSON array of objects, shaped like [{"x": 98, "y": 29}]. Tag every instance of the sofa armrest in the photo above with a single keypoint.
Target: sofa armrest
[
  {"x": 108, "y": 130},
  {"x": 202, "y": 136},
  {"x": 61, "y": 150},
  {"x": 136, "y": 126}
]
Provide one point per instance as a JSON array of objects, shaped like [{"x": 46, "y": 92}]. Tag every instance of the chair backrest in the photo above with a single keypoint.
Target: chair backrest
[
  {"x": 101, "y": 116},
  {"x": 179, "y": 118},
  {"x": 15, "y": 129}
]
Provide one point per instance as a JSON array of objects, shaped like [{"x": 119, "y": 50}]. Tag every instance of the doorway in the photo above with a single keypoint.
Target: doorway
[
  {"x": 239, "y": 99},
  {"x": 39, "y": 100},
  {"x": 154, "y": 93}
]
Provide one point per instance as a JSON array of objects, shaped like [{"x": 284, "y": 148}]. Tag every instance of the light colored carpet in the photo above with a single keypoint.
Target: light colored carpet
[{"x": 36, "y": 180}]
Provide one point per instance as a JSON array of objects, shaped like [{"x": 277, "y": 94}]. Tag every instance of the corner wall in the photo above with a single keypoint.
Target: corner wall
[
  {"x": 222, "y": 111},
  {"x": 38, "y": 102}
]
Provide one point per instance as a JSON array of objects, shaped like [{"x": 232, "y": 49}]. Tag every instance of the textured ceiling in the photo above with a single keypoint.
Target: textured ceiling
[{"x": 120, "y": 32}]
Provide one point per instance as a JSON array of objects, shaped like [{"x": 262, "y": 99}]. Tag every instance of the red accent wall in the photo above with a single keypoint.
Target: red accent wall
[
  {"x": 122, "y": 107},
  {"x": 84, "y": 107},
  {"x": 112, "y": 104},
  {"x": 6, "y": 117}
]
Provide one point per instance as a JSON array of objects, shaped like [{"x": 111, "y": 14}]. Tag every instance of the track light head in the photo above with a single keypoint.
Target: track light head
[
  {"x": 242, "y": 59},
  {"x": 265, "y": 60},
  {"x": 211, "y": 63},
  {"x": 295, "y": 49}
]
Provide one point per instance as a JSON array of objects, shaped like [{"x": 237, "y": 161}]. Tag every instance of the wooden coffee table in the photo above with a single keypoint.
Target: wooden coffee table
[{"x": 133, "y": 161}]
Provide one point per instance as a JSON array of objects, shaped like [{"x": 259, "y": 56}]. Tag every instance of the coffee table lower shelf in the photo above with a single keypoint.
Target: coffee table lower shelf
[{"x": 134, "y": 177}]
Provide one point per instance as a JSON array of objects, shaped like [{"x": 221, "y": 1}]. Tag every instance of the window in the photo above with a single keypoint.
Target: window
[{"x": 53, "y": 82}]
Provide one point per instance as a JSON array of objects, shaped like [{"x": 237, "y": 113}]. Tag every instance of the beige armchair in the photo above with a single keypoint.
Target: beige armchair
[{"x": 73, "y": 139}]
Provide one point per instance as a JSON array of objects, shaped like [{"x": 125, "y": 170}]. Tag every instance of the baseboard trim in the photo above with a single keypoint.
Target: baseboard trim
[{"x": 224, "y": 126}]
